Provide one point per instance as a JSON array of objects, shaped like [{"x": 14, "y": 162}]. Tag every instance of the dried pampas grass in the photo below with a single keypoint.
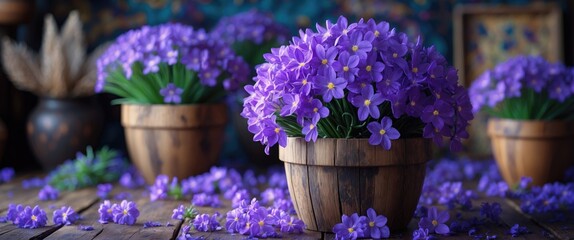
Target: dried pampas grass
[{"x": 61, "y": 70}]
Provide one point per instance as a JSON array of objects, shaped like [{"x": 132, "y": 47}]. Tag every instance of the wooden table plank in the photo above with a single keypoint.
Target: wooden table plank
[{"x": 558, "y": 229}]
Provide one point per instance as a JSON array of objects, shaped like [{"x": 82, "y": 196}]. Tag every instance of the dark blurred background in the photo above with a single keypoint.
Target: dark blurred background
[{"x": 105, "y": 19}]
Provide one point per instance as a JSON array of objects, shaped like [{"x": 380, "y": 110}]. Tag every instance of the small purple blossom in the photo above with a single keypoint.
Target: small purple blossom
[
  {"x": 207, "y": 223},
  {"x": 289, "y": 224},
  {"x": 65, "y": 215},
  {"x": 104, "y": 190},
  {"x": 421, "y": 234},
  {"x": 178, "y": 213},
  {"x": 6, "y": 174},
  {"x": 171, "y": 93},
  {"x": 235, "y": 220},
  {"x": 382, "y": 133},
  {"x": 517, "y": 230},
  {"x": 85, "y": 227},
  {"x": 125, "y": 213},
  {"x": 435, "y": 221},
  {"x": 159, "y": 190},
  {"x": 32, "y": 217},
  {"x": 14, "y": 213},
  {"x": 204, "y": 199},
  {"x": 376, "y": 225},
  {"x": 151, "y": 224},
  {"x": 132, "y": 179},
  {"x": 48, "y": 193},
  {"x": 106, "y": 212},
  {"x": 352, "y": 227},
  {"x": 491, "y": 211}
]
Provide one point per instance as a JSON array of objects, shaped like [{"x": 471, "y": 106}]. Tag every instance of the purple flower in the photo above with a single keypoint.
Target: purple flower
[
  {"x": 351, "y": 228},
  {"x": 331, "y": 86},
  {"x": 14, "y": 212},
  {"x": 260, "y": 224},
  {"x": 150, "y": 224},
  {"x": 65, "y": 215},
  {"x": 32, "y": 217},
  {"x": 203, "y": 200},
  {"x": 159, "y": 190},
  {"x": 6, "y": 174},
  {"x": 517, "y": 230},
  {"x": 106, "y": 212},
  {"x": 251, "y": 26},
  {"x": 376, "y": 225},
  {"x": 437, "y": 114},
  {"x": 289, "y": 224},
  {"x": 171, "y": 93},
  {"x": 421, "y": 234},
  {"x": 346, "y": 67},
  {"x": 125, "y": 213},
  {"x": 368, "y": 103},
  {"x": 132, "y": 179},
  {"x": 48, "y": 193},
  {"x": 178, "y": 213},
  {"x": 382, "y": 133},
  {"x": 104, "y": 190},
  {"x": 435, "y": 221},
  {"x": 235, "y": 221},
  {"x": 206, "y": 223},
  {"x": 33, "y": 183},
  {"x": 491, "y": 211},
  {"x": 85, "y": 227}
]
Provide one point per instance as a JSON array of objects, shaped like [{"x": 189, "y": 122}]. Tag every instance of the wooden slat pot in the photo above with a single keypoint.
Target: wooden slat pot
[
  {"x": 175, "y": 140},
  {"x": 542, "y": 150},
  {"x": 332, "y": 177}
]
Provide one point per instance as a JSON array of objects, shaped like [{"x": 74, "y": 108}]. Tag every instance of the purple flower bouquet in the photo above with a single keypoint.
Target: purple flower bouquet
[
  {"x": 525, "y": 87},
  {"x": 169, "y": 63},
  {"x": 357, "y": 80}
]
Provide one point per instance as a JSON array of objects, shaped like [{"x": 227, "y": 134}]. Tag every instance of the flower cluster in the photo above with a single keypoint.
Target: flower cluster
[
  {"x": 256, "y": 221},
  {"x": 491, "y": 211},
  {"x": 125, "y": 213},
  {"x": 169, "y": 63},
  {"x": 26, "y": 217},
  {"x": 34, "y": 182},
  {"x": 551, "y": 197},
  {"x": 228, "y": 182},
  {"x": 48, "y": 193},
  {"x": 525, "y": 87},
  {"x": 206, "y": 223},
  {"x": 355, "y": 226},
  {"x": 334, "y": 82},
  {"x": 6, "y": 174},
  {"x": 89, "y": 169},
  {"x": 65, "y": 216}
]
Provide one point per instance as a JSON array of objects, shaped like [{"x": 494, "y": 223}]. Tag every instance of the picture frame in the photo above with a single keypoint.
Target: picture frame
[{"x": 485, "y": 35}]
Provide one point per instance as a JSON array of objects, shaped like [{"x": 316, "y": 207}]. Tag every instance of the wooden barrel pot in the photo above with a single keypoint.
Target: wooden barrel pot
[
  {"x": 57, "y": 129},
  {"x": 332, "y": 177},
  {"x": 542, "y": 150},
  {"x": 175, "y": 140}
]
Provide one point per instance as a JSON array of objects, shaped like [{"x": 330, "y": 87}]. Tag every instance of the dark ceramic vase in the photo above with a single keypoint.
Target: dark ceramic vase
[{"x": 59, "y": 128}]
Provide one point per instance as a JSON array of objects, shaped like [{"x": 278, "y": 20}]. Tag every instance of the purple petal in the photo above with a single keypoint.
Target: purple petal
[{"x": 442, "y": 229}]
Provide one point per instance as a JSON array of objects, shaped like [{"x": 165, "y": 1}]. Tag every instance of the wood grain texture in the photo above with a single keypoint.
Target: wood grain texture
[
  {"x": 519, "y": 146},
  {"x": 178, "y": 141}
]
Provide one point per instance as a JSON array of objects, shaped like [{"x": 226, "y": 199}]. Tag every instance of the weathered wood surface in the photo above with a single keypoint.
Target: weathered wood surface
[{"x": 87, "y": 203}]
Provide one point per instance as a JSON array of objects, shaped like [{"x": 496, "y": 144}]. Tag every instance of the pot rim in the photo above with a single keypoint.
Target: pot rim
[
  {"x": 355, "y": 152},
  {"x": 512, "y": 128},
  {"x": 185, "y": 116}
]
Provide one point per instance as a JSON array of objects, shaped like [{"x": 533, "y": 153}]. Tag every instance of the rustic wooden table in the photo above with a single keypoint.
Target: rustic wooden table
[{"x": 86, "y": 203}]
